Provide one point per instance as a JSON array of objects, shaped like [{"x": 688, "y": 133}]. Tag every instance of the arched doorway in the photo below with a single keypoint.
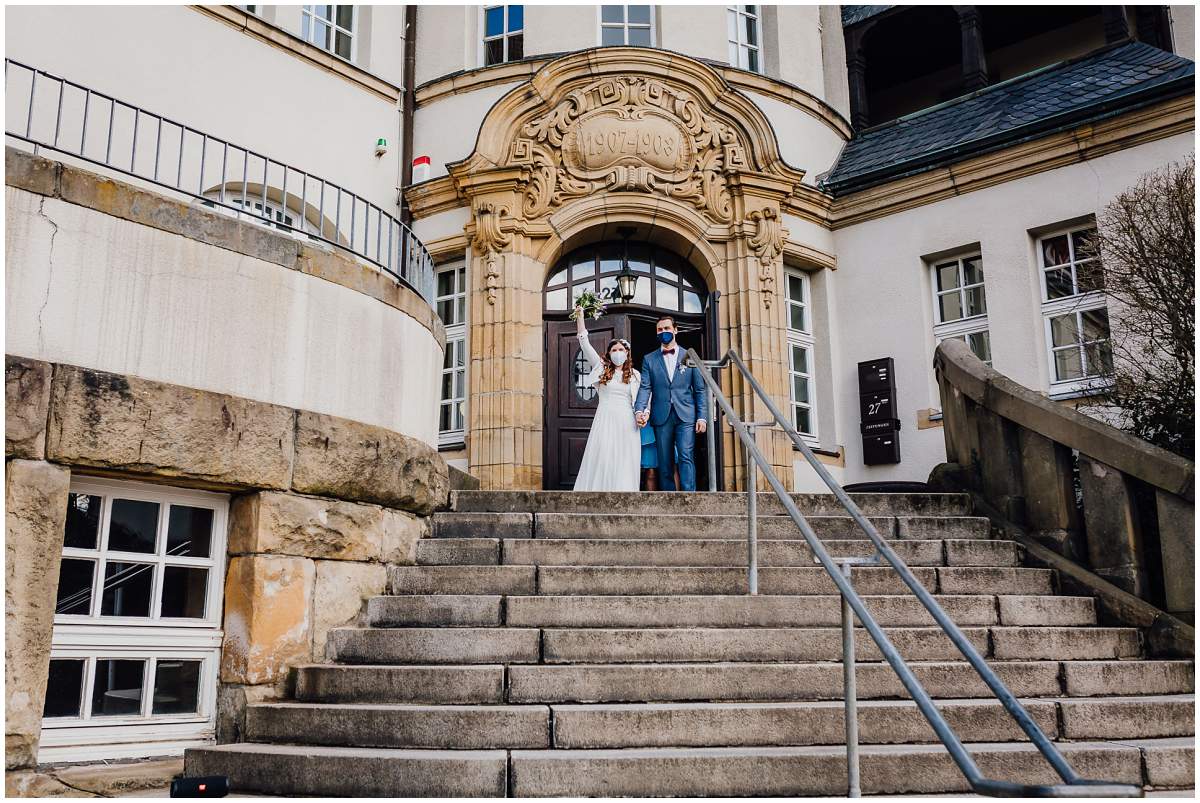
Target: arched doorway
[{"x": 667, "y": 284}]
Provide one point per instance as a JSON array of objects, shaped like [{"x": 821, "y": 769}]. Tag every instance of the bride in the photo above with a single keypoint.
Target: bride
[{"x": 612, "y": 458}]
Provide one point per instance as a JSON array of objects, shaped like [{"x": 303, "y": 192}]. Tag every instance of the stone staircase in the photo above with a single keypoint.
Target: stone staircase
[{"x": 543, "y": 648}]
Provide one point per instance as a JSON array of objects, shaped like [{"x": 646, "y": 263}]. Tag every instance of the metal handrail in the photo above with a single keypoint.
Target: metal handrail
[
  {"x": 1074, "y": 785},
  {"x": 66, "y": 117}
]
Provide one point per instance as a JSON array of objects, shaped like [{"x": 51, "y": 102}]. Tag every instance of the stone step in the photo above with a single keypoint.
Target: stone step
[
  {"x": 716, "y": 527},
  {"x": 462, "y": 580},
  {"x": 458, "y": 551},
  {"x": 800, "y": 580},
  {"x": 678, "y": 645},
  {"x": 1065, "y": 643},
  {"x": 724, "y": 681},
  {"x": 767, "y": 610},
  {"x": 599, "y": 727},
  {"x": 456, "y": 727},
  {"x": 726, "y": 503},
  {"x": 731, "y": 552},
  {"x": 315, "y": 771},
  {"x": 786, "y": 771},
  {"x": 433, "y": 610},
  {"x": 418, "y": 645},
  {"x": 334, "y": 683},
  {"x": 1145, "y": 717}
]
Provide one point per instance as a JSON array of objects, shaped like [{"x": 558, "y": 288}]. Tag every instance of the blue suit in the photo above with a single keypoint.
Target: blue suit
[{"x": 674, "y": 402}]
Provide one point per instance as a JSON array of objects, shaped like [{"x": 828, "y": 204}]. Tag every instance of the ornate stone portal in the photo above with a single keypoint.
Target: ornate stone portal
[{"x": 617, "y": 136}]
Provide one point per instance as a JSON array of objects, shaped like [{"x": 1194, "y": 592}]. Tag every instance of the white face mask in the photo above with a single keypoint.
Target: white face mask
[{"x": 618, "y": 358}]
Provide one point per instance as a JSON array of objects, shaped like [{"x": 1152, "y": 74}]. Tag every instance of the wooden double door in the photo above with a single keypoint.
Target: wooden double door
[{"x": 570, "y": 407}]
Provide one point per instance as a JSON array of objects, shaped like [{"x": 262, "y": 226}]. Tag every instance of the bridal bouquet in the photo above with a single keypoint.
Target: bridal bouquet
[{"x": 590, "y": 303}]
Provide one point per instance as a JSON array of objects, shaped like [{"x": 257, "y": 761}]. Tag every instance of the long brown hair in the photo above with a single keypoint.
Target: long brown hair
[{"x": 610, "y": 367}]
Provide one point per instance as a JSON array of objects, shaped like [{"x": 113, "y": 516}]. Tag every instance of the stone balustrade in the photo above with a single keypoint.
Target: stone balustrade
[{"x": 1097, "y": 496}]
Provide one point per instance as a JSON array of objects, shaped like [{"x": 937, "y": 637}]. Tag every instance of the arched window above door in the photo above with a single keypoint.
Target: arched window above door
[{"x": 665, "y": 280}]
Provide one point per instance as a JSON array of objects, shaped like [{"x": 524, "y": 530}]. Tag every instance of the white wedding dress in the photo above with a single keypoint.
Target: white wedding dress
[{"x": 612, "y": 459}]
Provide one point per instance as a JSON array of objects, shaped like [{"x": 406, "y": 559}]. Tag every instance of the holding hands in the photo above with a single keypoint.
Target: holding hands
[{"x": 641, "y": 417}]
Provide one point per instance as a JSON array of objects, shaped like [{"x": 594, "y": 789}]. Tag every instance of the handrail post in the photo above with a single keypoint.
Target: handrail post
[
  {"x": 752, "y": 517},
  {"x": 850, "y": 693},
  {"x": 711, "y": 431}
]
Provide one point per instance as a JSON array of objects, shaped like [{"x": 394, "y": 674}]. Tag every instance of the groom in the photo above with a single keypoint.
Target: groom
[{"x": 672, "y": 399}]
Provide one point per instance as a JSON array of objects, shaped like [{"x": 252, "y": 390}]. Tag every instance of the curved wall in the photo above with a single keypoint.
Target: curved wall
[{"x": 87, "y": 288}]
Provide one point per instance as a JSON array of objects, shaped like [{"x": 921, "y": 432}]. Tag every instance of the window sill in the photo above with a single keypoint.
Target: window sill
[
  {"x": 1069, "y": 392},
  {"x": 266, "y": 32},
  {"x": 452, "y": 446}
]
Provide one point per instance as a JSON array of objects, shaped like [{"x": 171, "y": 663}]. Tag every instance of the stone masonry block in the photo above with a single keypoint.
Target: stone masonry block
[
  {"x": 112, "y": 421},
  {"x": 349, "y": 460},
  {"x": 26, "y": 405},
  {"x": 401, "y": 532},
  {"x": 35, "y": 497},
  {"x": 338, "y": 597},
  {"x": 286, "y": 524},
  {"x": 268, "y": 617}
]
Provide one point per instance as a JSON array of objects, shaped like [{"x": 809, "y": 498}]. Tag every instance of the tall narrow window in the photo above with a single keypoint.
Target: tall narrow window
[
  {"x": 960, "y": 304},
  {"x": 452, "y": 309},
  {"x": 503, "y": 34},
  {"x": 329, "y": 28},
  {"x": 137, "y": 634},
  {"x": 627, "y": 25},
  {"x": 1073, "y": 306},
  {"x": 744, "y": 38},
  {"x": 800, "y": 354}
]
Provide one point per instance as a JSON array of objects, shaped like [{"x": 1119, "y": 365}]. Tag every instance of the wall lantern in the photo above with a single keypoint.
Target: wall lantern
[{"x": 626, "y": 279}]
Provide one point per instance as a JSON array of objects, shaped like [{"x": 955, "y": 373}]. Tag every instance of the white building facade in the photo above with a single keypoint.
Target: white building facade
[{"x": 775, "y": 180}]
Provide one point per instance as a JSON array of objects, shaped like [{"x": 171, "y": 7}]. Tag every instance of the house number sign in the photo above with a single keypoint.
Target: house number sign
[{"x": 880, "y": 426}]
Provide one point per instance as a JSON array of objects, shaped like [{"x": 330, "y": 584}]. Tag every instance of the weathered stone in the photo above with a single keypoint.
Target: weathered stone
[
  {"x": 112, "y": 421},
  {"x": 1177, "y": 541},
  {"x": 120, "y": 779},
  {"x": 27, "y": 783},
  {"x": 462, "y": 481},
  {"x": 1114, "y": 535},
  {"x": 338, "y": 597},
  {"x": 36, "y": 508},
  {"x": 268, "y": 622},
  {"x": 287, "y": 524},
  {"x": 349, "y": 460},
  {"x": 401, "y": 532},
  {"x": 232, "y": 700},
  {"x": 26, "y": 405}
]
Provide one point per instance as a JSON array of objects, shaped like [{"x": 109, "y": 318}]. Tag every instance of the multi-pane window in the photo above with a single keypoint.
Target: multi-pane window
[
  {"x": 137, "y": 616},
  {"x": 800, "y": 353},
  {"x": 1073, "y": 306},
  {"x": 452, "y": 309},
  {"x": 503, "y": 34},
  {"x": 665, "y": 281},
  {"x": 626, "y": 25},
  {"x": 329, "y": 28},
  {"x": 744, "y": 37},
  {"x": 960, "y": 304}
]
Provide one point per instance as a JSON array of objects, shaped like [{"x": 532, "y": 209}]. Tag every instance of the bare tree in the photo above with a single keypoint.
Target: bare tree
[{"x": 1146, "y": 244}]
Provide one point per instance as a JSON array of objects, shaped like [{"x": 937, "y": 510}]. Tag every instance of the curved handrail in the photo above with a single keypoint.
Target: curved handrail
[
  {"x": 184, "y": 159},
  {"x": 1074, "y": 785},
  {"x": 1127, "y": 453}
]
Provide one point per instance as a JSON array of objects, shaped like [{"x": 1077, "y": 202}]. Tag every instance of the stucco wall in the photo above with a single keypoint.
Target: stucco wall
[
  {"x": 1183, "y": 30},
  {"x": 93, "y": 290},
  {"x": 805, "y": 142},
  {"x": 884, "y": 301},
  {"x": 199, "y": 71},
  {"x": 446, "y": 129}
]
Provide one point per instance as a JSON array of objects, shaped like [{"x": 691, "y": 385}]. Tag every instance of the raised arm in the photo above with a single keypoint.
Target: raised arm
[{"x": 589, "y": 353}]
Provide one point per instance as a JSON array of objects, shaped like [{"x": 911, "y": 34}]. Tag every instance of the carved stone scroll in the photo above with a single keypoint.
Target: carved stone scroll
[
  {"x": 767, "y": 243},
  {"x": 490, "y": 238}
]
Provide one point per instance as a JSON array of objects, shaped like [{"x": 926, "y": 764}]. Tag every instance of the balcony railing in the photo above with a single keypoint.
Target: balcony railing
[{"x": 50, "y": 112}]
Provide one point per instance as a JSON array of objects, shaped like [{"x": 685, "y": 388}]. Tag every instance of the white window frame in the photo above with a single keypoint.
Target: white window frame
[
  {"x": 1076, "y": 304},
  {"x": 739, "y": 48},
  {"x": 505, "y": 34},
  {"x": 960, "y": 328},
  {"x": 456, "y": 339},
  {"x": 152, "y": 639},
  {"x": 801, "y": 338},
  {"x": 625, "y": 26},
  {"x": 308, "y": 31}
]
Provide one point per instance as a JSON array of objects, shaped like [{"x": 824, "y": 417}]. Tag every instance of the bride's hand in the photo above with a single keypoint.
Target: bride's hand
[{"x": 579, "y": 320}]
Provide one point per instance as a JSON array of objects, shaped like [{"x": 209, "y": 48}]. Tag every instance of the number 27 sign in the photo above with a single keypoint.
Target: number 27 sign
[{"x": 876, "y": 407}]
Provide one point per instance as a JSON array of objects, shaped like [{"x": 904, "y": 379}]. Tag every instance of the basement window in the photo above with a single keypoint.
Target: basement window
[{"x": 136, "y": 642}]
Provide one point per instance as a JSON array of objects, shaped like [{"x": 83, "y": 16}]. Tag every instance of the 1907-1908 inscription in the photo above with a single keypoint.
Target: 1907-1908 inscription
[{"x": 608, "y": 138}]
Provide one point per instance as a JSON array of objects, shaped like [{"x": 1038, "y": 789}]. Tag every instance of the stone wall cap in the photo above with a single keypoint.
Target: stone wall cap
[{"x": 957, "y": 365}]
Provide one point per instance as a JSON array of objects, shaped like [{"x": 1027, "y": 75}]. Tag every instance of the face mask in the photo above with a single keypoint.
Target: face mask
[
  {"x": 618, "y": 358},
  {"x": 666, "y": 337}
]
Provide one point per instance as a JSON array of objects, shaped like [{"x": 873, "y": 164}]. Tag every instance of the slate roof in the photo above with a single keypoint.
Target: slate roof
[
  {"x": 1101, "y": 84},
  {"x": 856, "y": 14}
]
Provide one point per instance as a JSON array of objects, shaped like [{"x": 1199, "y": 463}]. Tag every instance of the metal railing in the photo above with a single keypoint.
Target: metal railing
[
  {"x": 1073, "y": 785},
  {"x": 57, "y": 114}
]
